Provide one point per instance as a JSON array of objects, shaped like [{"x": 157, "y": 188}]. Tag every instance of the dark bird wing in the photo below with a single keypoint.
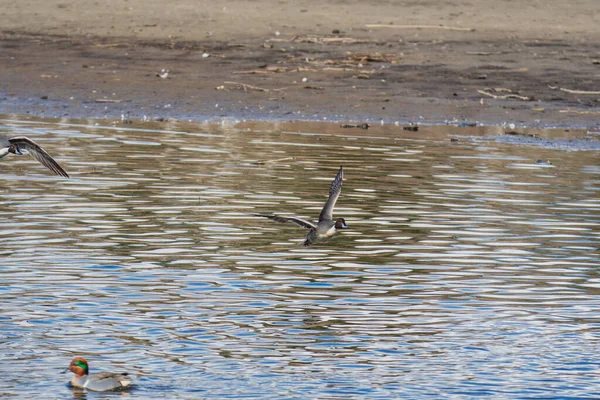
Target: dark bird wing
[
  {"x": 39, "y": 154},
  {"x": 334, "y": 193},
  {"x": 297, "y": 221}
]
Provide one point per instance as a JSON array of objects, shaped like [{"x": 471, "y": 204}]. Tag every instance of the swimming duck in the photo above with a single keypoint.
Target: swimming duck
[
  {"x": 326, "y": 227},
  {"x": 98, "y": 382},
  {"x": 16, "y": 144}
]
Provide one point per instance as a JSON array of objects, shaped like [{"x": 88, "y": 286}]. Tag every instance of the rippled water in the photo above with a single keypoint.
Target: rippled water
[{"x": 469, "y": 270}]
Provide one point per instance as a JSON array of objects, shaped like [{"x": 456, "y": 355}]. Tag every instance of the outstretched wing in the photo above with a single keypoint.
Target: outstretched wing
[
  {"x": 297, "y": 221},
  {"x": 39, "y": 154},
  {"x": 334, "y": 193}
]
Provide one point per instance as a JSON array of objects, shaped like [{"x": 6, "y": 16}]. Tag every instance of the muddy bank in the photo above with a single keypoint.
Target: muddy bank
[{"x": 455, "y": 63}]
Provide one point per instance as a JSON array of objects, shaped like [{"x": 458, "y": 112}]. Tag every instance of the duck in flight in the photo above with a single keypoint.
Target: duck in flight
[
  {"x": 17, "y": 144},
  {"x": 326, "y": 227}
]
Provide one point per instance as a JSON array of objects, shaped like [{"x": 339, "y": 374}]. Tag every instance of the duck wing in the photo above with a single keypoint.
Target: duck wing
[
  {"x": 108, "y": 377},
  {"x": 297, "y": 221},
  {"x": 36, "y": 151},
  {"x": 334, "y": 193}
]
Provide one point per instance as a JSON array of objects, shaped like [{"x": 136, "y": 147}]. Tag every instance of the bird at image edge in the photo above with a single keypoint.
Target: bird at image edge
[{"x": 17, "y": 144}]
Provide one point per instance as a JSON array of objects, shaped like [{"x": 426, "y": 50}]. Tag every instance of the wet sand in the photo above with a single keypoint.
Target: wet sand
[{"x": 490, "y": 62}]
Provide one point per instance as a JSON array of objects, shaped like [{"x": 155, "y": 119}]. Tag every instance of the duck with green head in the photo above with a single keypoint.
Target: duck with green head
[{"x": 98, "y": 382}]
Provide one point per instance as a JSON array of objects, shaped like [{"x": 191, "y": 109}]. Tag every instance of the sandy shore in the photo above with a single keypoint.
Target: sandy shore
[{"x": 492, "y": 62}]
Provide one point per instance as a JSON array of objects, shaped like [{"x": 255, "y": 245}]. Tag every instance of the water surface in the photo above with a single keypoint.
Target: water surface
[{"x": 469, "y": 270}]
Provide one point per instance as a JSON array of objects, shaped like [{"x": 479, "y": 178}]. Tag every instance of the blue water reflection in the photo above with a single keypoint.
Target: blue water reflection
[{"x": 469, "y": 270}]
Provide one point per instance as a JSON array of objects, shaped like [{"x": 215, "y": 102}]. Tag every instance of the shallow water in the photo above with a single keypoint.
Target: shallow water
[{"x": 469, "y": 270}]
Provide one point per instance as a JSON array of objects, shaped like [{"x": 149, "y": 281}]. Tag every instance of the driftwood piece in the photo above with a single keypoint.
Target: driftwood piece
[
  {"x": 571, "y": 91},
  {"x": 246, "y": 87},
  {"x": 107, "y": 101},
  {"x": 329, "y": 40},
  {"x": 444, "y": 27},
  {"x": 504, "y": 96}
]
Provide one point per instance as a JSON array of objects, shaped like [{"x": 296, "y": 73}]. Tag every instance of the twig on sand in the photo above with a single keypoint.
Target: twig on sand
[
  {"x": 579, "y": 91},
  {"x": 263, "y": 71},
  {"x": 505, "y": 96},
  {"x": 107, "y": 101},
  {"x": 371, "y": 57},
  {"x": 449, "y": 28},
  {"x": 338, "y": 69},
  {"x": 247, "y": 87},
  {"x": 578, "y": 112},
  {"x": 104, "y": 45},
  {"x": 329, "y": 40},
  {"x": 255, "y": 72},
  {"x": 274, "y": 70}
]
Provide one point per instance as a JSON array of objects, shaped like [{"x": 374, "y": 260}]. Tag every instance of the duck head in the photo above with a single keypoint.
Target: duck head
[
  {"x": 79, "y": 366},
  {"x": 13, "y": 148},
  {"x": 340, "y": 223}
]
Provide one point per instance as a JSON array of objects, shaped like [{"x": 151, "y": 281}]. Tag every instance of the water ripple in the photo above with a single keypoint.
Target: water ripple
[{"x": 467, "y": 271}]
